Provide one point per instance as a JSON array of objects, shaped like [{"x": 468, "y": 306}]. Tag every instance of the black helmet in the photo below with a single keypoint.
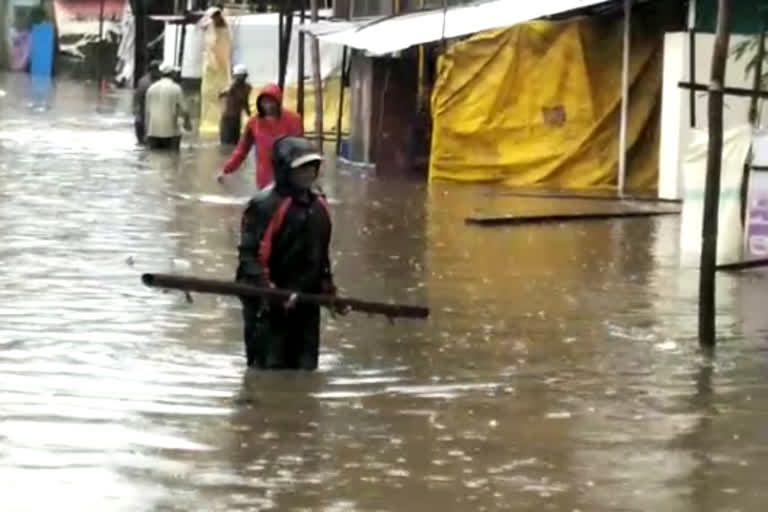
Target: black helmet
[{"x": 290, "y": 153}]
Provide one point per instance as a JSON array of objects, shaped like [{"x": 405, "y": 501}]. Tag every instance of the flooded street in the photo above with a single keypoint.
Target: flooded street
[{"x": 559, "y": 369}]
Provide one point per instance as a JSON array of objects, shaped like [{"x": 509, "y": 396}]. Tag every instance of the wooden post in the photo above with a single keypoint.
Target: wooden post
[
  {"x": 707, "y": 334},
  {"x": 317, "y": 81},
  {"x": 300, "y": 72}
]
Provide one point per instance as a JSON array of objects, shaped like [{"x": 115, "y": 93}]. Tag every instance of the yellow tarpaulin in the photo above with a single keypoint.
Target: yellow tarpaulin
[
  {"x": 330, "y": 105},
  {"x": 217, "y": 65},
  {"x": 538, "y": 104}
]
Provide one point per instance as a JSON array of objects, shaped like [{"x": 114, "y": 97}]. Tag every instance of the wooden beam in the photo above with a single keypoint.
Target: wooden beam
[{"x": 518, "y": 220}]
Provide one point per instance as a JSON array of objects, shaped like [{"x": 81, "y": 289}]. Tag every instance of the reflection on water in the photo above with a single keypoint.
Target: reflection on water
[{"x": 559, "y": 370}]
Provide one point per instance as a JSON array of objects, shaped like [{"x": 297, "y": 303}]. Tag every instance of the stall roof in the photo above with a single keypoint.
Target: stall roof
[{"x": 391, "y": 34}]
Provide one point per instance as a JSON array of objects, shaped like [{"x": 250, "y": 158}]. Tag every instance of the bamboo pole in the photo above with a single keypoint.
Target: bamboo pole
[
  {"x": 707, "y": 325},
  {"x": 317, "y": 81}
]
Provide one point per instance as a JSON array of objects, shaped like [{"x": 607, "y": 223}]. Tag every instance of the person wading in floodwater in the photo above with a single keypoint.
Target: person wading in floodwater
[
  {"x": 140, "y": 98},
  {"x": 284, "y": 243},
  {"x": 271, "y": 122},
  {"x": 236, "y": 96},
  {"x": 165, "y": 103}
]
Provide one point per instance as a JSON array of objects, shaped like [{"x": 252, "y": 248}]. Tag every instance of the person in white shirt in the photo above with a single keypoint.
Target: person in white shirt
[{"x": 164, "y": 105}]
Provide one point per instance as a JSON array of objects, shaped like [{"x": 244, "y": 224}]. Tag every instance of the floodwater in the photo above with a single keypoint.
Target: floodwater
[{"x": 559, "y": 370}]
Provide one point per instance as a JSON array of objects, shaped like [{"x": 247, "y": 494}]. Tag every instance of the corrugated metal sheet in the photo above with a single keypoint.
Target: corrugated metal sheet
[{"x": 391, "y": 34}]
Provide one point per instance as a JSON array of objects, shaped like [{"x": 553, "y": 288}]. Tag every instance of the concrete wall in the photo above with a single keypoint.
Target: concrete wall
[{"x": 676, "y": 132}]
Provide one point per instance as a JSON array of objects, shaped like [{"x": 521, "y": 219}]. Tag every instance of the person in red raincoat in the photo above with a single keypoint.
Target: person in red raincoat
[{"x": 271, "y": 122}]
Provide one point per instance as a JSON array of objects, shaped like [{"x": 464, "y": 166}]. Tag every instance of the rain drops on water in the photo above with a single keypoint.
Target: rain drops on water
[{"x": 667, "y": 346}]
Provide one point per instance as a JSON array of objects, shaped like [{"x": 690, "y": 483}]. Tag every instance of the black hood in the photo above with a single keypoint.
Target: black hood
[{"x": 284, "y": 151}]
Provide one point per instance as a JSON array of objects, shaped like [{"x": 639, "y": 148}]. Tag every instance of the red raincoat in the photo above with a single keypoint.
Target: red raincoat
[{"x": 262, "y": 132}]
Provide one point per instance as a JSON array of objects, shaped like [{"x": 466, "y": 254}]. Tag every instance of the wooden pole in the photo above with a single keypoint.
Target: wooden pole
[
  {"x": 707, "y": 335},
  {"x": 624, "y": 98},
  {"x": 317, "y": 81},
  {"x": 300, "y": 72},
  {"x": 219, "y": 287}
]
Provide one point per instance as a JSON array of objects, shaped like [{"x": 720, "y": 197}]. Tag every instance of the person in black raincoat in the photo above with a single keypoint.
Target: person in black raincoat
[{"x": 284, "y": 242}]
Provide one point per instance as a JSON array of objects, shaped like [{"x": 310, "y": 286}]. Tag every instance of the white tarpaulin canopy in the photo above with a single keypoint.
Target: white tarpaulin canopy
[
  {"x": 255, "y": 43},
  {"x": 392, "y": 34}
]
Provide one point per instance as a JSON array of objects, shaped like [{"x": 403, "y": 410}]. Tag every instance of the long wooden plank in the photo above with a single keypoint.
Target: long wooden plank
[
  {"x": 562, "y": 217},
  {"x": 590, "y": 197}
]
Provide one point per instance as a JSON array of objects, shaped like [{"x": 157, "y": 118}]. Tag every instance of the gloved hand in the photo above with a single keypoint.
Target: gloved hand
[{"x": 291, "y": 302}]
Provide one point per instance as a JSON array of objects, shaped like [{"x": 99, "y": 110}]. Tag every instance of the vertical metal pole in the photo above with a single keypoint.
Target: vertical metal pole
[
  {"x": 317, "y": 80},
  {"x": 101, "y": 45},
  {"x": 624, "y": 97},
  {"x": 280, "y": 43},
  {"x": 692, "y": 60},
  {"x": 707, "y": 310},
  {"x": 183, "y": 42},
  {"x": 286, "y": 45},
  {"x": 300, "y": 72}
]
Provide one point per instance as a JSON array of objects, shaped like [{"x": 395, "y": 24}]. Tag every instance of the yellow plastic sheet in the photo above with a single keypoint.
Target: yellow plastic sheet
[{"x": 538, "y": 105}]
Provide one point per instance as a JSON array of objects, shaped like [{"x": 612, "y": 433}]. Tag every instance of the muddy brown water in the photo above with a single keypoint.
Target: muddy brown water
[{"x": 559, "y": 370}]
